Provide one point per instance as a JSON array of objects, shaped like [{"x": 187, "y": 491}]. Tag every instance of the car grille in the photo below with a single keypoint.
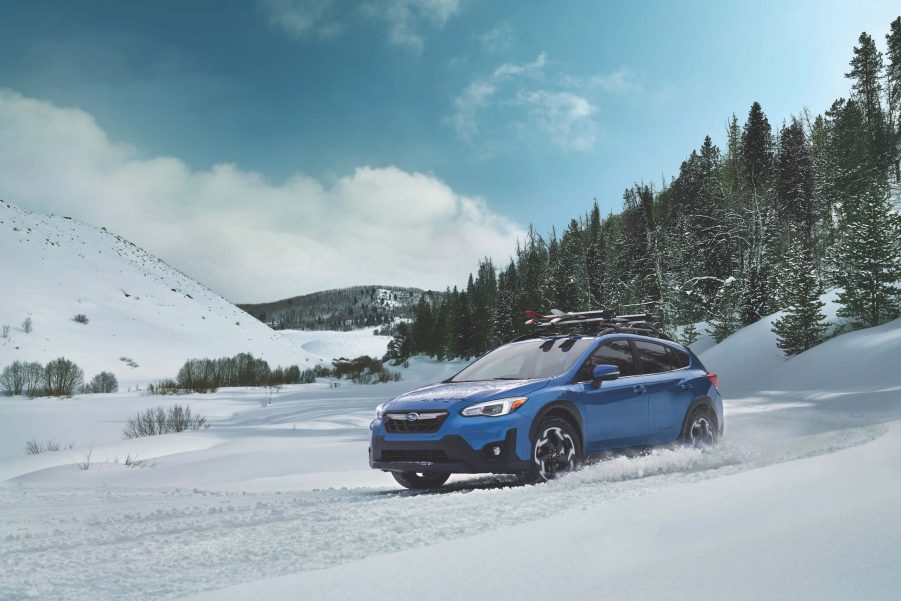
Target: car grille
[
  {"x": 429, "y": 456},
  {"x": 425, "y": 423}
]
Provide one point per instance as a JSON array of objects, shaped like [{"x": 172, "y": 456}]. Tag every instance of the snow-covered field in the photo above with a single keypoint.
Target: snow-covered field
[
  {"x": 800, "y": 501},
  {"x": 338, "y": 344},
  {"x": 275, "y": 498}
]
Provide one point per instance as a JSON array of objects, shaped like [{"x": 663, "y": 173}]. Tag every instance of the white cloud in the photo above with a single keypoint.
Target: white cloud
[
  {"x": 498, "y": 39},
  {"x": 304, "y": 18},
  {"x": 467, "y": 105},
  {"x": 512, "y": 69},
  {"x": 404, "y": 19},
  {"x": 479, "y": 94},
  {"x": 247, "y": 238},
  {"x": 620, "y": 81},
  {"x": 525, "y": 98},
  {"x": 566, "y": 119}
]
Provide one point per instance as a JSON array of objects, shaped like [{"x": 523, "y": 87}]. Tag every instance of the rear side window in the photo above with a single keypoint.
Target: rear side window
[
  {"x": 655, "y": 358},
  {"x": 618, "y": 353},
  {"x": 678, "y": 358}
]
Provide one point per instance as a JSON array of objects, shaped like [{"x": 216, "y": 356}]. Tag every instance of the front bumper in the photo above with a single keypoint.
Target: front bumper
[{"x": 449, "y": 453}]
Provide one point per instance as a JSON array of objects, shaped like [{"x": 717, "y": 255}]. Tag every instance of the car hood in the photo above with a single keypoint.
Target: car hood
[{"x": 456, "y": 395}]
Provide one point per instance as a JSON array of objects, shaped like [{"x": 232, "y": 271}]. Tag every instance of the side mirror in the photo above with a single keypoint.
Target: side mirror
[{"x": 603, "y": 373}]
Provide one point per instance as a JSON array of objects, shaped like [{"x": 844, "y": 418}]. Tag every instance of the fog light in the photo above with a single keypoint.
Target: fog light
[{"x": 496, "y": 451}]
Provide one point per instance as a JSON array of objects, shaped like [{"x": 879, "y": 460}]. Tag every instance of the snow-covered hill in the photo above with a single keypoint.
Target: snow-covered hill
[
  {"x": 745, "y": 359},
  {"x": 53, "y": 268}
]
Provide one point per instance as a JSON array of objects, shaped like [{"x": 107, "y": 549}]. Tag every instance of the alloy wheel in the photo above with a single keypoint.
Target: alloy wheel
[
  {"x": 701, "y": 434},
  {"x": 555, "y": 453}
]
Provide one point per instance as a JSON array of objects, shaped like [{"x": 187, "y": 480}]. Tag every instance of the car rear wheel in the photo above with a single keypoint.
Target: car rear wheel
[
  {"x": 421, "y": 481},
  {"x": 556, "y": 451},
  {"x": 700, "y": 429}
]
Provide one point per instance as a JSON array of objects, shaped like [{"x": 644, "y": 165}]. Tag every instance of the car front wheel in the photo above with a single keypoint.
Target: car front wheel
[{"x": 556, "y": 451}]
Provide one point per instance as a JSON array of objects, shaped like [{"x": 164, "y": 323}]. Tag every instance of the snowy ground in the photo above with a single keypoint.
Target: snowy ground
[
  {"x": 277, "y": 502},
  {"x": 333, "y": 345}
]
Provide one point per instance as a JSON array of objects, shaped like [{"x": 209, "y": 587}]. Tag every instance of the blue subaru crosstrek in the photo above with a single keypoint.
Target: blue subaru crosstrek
[{"x": 537, "y": 407}]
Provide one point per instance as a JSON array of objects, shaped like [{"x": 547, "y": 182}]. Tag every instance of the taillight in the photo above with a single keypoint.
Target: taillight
[{"x": 714, "y": 379}]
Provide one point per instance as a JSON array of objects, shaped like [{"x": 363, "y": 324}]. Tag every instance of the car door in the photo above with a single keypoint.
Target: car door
[
  {"x": 669, "y": 391},
  {"x": 617, "y": 411}
]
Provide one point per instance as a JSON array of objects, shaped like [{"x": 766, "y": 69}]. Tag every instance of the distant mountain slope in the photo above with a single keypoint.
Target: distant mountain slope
[
  {"x": 341, "y": 309},
  {"x": 53, "y": 268}
]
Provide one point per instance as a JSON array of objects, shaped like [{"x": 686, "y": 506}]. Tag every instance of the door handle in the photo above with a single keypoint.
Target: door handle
[
  {"x": 639, "y": 389},
  {"x": 686, "y": 386}
]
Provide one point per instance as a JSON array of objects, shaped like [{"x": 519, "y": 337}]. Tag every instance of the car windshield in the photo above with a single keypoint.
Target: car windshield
[{"x": 527, "y": 360}]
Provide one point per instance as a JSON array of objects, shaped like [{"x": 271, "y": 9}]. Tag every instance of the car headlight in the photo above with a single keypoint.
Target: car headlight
[
  {"x": 379, "y": 410},
  {"x": 494, "y": 408}
]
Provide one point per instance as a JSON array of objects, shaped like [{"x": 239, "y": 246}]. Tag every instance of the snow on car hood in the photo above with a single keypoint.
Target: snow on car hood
[{"x": 444, "y": 395}]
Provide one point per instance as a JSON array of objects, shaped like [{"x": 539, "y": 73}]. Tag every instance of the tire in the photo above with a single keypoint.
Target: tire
[
  {"x": 556, "y": 451},
  {"x": 421, "y": 481},
  {"x": 700, "y": 429}
]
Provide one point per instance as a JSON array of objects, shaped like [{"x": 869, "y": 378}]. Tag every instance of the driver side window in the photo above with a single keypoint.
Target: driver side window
[{"x": 615, "y": 352}]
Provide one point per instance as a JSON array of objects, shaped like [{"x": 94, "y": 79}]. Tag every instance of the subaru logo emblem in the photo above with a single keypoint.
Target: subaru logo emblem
[{"x": 412, "y": 417}]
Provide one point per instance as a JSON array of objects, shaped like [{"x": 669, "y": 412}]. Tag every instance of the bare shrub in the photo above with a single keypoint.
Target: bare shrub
[
  {"x": 159, "y": 420},
  {"x": 4, "y": 332},
  {"x": 163, "y": 387},
  {"x": 62, "y": 377},
  {"x": 104, "y": 383},
  {"x": 134, "y": 461},
  {"x": 86, "y": 464},
  {"x": 12, "y": 379},
  {"x": 34, "y": 379},
  {"x": 181, "y": 419},
  {"x": 81, "y": 318},
  {"x": 35, "y": 447},
  {"x": 26, "y": 325}
]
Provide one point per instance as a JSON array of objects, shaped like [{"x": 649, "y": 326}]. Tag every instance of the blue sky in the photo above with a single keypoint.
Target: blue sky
[{"x": 534, "y": 108}]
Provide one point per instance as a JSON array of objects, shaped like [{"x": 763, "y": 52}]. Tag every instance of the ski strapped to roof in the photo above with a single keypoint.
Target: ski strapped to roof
[{"x": 599, "y": 322}]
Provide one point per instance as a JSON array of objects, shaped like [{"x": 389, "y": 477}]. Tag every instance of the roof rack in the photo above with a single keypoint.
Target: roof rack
[{"x": 596, "y": 323}]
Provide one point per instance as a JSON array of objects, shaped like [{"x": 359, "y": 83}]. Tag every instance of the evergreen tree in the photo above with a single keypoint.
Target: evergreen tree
[
  {"x": 690, "y": 334},
  {"x": 554, "y": 274},
  {"x": 793, "y": 184},
  {"x": 755, "y": 296},
  {"x": 866, "y": 70},
  {"x": 531, "y": 283},
  {"x": 504, "y": 314},
  {"x": 464, "y": 329},
  {"x": 572, "y": 283},
  {"x": 893, "y": 83},
  {"x": 399, "y": 347},
  {"x": 869, "y": 263},
  {"x": 757, "y": 149},
  {"x": 423, "y": 327},
  {"x": 824, "y": 189},
  {"x": 803, "y": 325},
  {"x": 595, "y": 260},
  {"x": 725, "y": 319},
  {"x": 866, "y": 76}
]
